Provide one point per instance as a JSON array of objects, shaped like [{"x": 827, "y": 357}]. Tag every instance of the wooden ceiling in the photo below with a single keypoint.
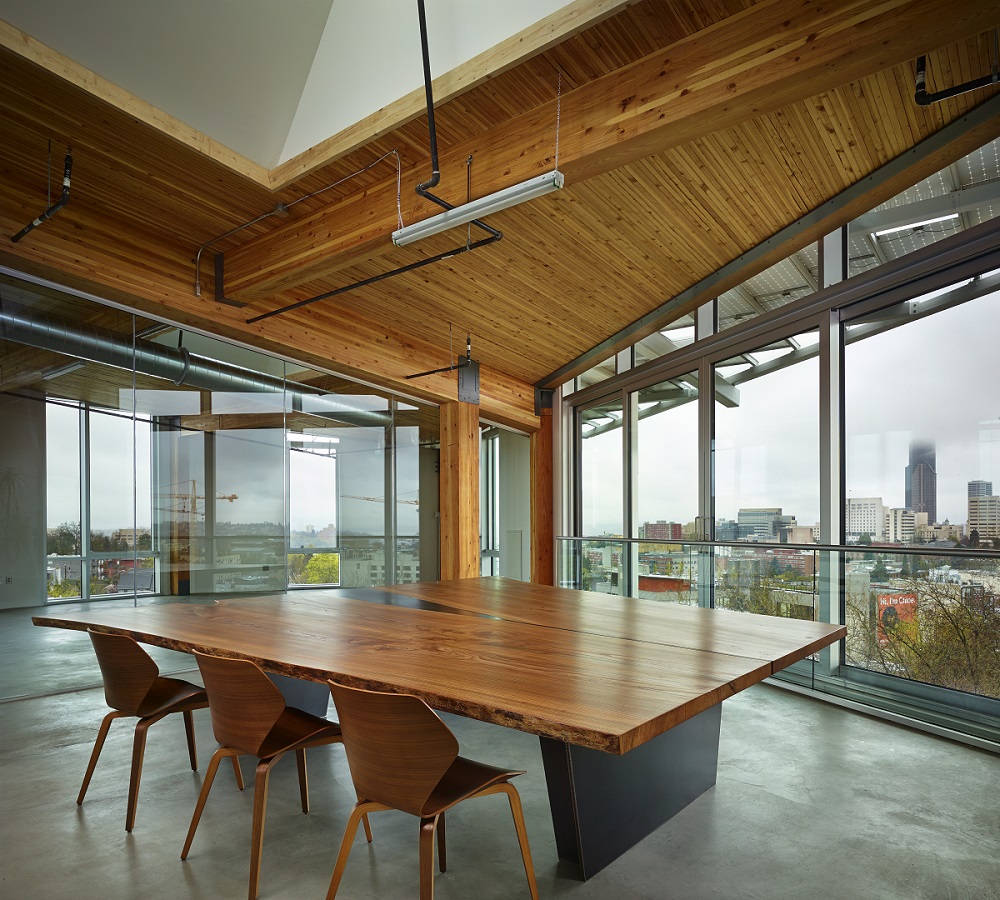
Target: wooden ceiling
[{"x": 689, "y": 132}]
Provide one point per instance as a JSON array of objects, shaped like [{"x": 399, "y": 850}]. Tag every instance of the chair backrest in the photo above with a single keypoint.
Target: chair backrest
[
  {"x": 128, "y": 670},
  {"x": 397, "y": 747},
  {"x": 243, "y": 702}
]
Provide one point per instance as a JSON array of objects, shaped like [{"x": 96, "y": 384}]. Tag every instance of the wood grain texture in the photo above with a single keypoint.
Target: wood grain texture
[
  {"x": 603, "y": 686},
  {"x": 459, "y": 490},
  {"x": 774, "y": 123}
]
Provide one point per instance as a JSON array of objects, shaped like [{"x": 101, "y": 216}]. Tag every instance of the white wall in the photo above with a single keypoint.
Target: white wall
[{"x": 515, "y": 506}]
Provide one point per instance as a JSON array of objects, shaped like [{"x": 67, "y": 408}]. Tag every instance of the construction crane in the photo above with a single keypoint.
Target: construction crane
[
  {"x": 379, "y": 499},
  {"x": 188, "y": 505}
]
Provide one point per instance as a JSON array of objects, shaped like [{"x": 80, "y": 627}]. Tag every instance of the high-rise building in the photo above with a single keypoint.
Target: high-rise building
[
  {"x": 900, "y": 526},
  {"x": 921, "y": 480},
  {"x": 984, "y": 516},
  {"x": 865, "y": 515},
  {"x": 980, "y": 488}
]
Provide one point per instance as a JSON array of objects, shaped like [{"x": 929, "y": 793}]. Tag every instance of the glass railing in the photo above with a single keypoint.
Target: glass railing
[{"x": 923, "y": 623}]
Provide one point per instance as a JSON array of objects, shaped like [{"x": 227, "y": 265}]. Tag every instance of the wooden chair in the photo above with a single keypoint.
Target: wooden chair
[
  {"x": 133, "y": 686},
  {"x": 249, "y": 717},
  {"x": 403, "y": 756}
]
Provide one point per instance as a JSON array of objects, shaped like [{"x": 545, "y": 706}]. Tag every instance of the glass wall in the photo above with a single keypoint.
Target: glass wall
[
  {"x": 864, "y": 416},
  {"x": 922, "y": 460},
  {"x": 140, "y": 462},
  {"x": 667, "y": 502}
]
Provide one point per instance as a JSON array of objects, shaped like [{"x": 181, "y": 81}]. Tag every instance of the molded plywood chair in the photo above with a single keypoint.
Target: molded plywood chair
[
  {"x": 402, "y": 756},
  {"x": 133, "y": 686},
  {"x": 249, "y": 717}
]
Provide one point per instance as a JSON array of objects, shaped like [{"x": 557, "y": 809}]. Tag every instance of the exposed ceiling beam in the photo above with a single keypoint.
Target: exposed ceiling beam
[
  {"x": 957, "y": 201},
  {"x": 757, "y": 61},
  {"x": 952, "y": 142}
]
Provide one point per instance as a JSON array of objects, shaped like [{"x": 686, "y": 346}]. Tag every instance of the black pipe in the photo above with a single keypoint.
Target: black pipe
[
  {"x": 54, "y": 208},
  {"x": 435, "y": 171},
  {"x": 495, "y": 236},
  {"x": 925, "y": 99},
  {"x": 424, "y": 189}
]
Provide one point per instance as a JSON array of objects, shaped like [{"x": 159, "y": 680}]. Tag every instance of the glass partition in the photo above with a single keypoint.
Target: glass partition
[{"x": 142, "y": 464}]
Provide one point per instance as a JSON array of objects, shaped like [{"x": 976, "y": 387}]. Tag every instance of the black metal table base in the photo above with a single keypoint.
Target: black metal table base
[{"x": 603, "y": 804}]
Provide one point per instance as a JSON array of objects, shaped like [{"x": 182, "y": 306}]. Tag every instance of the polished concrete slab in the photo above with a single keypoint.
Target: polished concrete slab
[{"x": 812, "y": 801}]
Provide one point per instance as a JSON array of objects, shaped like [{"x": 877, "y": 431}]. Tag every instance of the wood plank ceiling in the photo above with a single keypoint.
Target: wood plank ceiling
[{"x": 689, "y": 133}]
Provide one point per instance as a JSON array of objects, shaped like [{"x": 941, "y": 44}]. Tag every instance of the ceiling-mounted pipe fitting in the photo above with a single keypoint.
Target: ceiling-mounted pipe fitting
[
  {"x": 55, "y": 207},
  {"x": 922, "y": 97}
]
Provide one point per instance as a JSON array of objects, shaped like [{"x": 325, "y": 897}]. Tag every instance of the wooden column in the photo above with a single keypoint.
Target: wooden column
[
  {"x": 542, "y": 527},
  {"x": 459, "y": 490}
]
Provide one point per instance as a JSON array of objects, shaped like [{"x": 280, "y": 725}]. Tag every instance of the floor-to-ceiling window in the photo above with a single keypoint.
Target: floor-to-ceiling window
[
  {"x": 844, "y": 466},
  {"x": 139, "y": 461},
  {"x": 922, "y": 439}
]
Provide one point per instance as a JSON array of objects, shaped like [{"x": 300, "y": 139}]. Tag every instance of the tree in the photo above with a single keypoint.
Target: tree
[
  {"x": 297, "y": 567},
  {"x": 866, "y": 540},
  {"x": 322, "y": 568},
  {"x": 64, "y": 540},
  {"x": 879, "y": 573},
  {"x": 953, "y": 642}
]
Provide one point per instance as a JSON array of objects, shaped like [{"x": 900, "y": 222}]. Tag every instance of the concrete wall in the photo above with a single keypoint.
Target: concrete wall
[{"x": 22, "y": 502}]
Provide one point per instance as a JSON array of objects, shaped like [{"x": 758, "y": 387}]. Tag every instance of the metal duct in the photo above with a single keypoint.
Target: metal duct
[{"x": 176, "y": 365}]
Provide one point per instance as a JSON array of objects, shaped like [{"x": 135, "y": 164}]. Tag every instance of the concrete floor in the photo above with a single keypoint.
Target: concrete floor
[{"x": 812, "y": 801}]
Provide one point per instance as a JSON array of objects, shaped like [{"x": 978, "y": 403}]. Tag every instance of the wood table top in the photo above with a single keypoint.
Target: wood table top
[{"x": 590, "y": 669}]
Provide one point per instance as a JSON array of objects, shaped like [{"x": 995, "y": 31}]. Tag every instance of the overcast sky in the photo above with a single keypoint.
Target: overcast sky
[{"x": 933, "y": 379}]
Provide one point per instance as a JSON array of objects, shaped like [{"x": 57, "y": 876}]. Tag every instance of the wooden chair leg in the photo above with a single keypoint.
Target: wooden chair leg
[
  {"x": 428, "y": 826},
  {"x": 522, "y": 834},
  {"x": 189, "y": 731},
  {"x": 102, "y": 734},
  {"x": 300, "y": 762},
  {"x": 259, "y": 811},
  {"x": 206, "y": 786},
  {"x": 442, "y": 852},
  {"x": 237, "y": 771},
  {"x": 138, "y": 752},
  {"x": 359, "y": 813}
]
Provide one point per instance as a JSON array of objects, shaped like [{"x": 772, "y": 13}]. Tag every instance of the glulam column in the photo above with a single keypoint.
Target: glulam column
[{"x": 459, "y": 490}]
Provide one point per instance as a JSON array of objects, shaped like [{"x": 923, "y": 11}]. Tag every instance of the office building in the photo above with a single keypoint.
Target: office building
[
  {"x": 980, "y": 488},
  {"x": 921, "y": 480},
  {"x": 865, "y": 515}
]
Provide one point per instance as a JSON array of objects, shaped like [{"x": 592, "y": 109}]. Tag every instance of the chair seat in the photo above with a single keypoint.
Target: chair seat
[
  {"x": 296, "y": 728},
  {"x": 174, "y": 694},
  {"x": 463, "y": 778}
]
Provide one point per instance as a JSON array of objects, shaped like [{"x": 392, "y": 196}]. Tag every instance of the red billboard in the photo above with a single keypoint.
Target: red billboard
[{"x": 894, "y": 610}]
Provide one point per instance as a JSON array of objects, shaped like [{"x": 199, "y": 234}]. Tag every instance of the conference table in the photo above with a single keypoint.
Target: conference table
[{"x": 624, "y": 694}]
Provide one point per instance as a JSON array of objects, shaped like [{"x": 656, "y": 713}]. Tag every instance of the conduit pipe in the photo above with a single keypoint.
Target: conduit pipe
[
  {"x": 178, "y": 366},
  {"x": 55, "y": 207},
  {"x": 923, "y": 98}
]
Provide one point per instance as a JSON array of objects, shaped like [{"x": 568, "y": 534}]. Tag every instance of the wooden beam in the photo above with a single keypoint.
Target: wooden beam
[
  {"x": 564, "y": 23},
  {"x": 776, "y": 53},
  {"x": 459, "y": 490},
  {"x": 542, "y": 520}
]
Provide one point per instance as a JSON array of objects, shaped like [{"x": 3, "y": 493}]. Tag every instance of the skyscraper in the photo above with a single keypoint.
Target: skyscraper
[
  {"x": 980, "y": 488},
  {"x": 921, "y": 480}
]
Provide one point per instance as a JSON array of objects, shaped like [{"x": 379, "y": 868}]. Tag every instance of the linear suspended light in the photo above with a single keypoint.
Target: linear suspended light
[
  {"x": 476, "y": 209},
  {"x": 915, "y": 225}
]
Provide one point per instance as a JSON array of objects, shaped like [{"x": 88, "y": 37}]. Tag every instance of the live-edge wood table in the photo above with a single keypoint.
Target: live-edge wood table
[{"x": 624, "y": 694}]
